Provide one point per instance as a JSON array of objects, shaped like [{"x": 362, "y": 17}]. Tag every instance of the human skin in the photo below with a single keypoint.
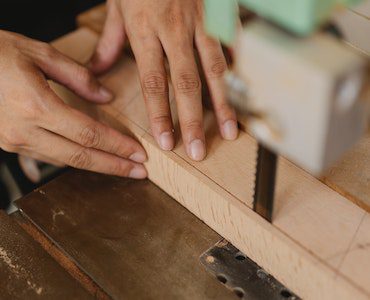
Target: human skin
[
  {"x": 36, "y": 123},
  {"x": 169, "y": 29}
]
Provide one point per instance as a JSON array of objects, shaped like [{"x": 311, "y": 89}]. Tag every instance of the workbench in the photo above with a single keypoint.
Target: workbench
[
  {"x": 111, "y": 237},
  {"x": 86, "y": 235}
]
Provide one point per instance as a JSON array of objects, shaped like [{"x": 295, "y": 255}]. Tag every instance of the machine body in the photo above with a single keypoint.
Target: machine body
[{"x": 298, "y": 88}]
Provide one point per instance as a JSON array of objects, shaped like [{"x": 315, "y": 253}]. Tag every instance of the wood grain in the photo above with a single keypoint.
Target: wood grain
[
  {"x": 93, "y": 18},
  {"x": 314, "y": 227},
  {"x": 350, "y": 176}
]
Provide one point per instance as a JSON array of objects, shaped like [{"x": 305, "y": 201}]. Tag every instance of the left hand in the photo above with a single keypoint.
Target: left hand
[{"x": 169, "y": 28}]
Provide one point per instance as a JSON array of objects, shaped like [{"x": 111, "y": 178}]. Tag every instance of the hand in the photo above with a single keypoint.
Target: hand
[
  {"x": 171, "y": 28},
  {"x": 36, "y": 123}
]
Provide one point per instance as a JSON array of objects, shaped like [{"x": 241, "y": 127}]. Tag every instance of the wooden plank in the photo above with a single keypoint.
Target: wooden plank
[
  {"x": 28, "y": 272},
  {"x": 93, "y": 18},
  {"x": 140, "y": 244},
  {"x": 350, "y": 176},
  {"x": 353, "y": 22},
  {"x": 363, "y": 8},
  {"x": 355, "y": 26},
  {"x": 313, "y": 226}
]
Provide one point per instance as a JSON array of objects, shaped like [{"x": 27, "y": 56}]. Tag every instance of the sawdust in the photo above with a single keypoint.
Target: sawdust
[
  {"x": 19, "y": 271},
  {"x": 210, "y": 259},
  {"x": 33, "y": 286},
  {"x": 7, "y": 260},
  {"x": 57, "y": 213}
]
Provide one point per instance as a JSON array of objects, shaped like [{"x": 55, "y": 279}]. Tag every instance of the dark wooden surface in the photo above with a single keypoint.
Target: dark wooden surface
[
  {"x": 28, "y": 272},
  {"x": 129, "y": 236}
]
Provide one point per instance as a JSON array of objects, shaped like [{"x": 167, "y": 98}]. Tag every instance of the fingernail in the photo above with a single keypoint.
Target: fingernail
[
  {"x": 230, "y": 130},
  {"x": 138, "y": 172},
  {"x": 105, "y": 94},
  {"x": 197, "y": 150},
  {"x": 166, "y": 141},
  {"x": 139, "y": 157}
]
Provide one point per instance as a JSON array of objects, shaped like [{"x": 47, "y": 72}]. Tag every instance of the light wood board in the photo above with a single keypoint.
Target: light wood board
[
  {"x": 310, "y": 245},
  {"x": 351, "y": 175},
  {"x": 93, "y": 18}
]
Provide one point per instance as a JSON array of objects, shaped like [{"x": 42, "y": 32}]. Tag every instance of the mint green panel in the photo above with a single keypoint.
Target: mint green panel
[
  {"x": 220, "y": 19},
  {"x": 301, "y": 17}
]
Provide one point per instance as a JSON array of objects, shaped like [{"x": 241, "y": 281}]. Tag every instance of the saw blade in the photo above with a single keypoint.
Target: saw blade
[{"x": 264, "y": 189}]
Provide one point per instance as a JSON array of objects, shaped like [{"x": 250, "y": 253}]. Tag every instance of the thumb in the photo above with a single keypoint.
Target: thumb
[{"x": 111, "y": 41}]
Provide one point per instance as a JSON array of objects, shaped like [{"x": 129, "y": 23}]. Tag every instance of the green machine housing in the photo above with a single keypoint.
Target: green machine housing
[{"x": 301, "y": 17}]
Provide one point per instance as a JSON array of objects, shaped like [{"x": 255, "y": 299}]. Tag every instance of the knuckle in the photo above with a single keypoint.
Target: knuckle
[
  {"x": 139, "y": 24},
  {"x": 12, "y": 141},
  {"x": 193, "y": 125},
  {"x": 8, "y": 148},
  {"x": 120, "y": 149},
  {"x": 161, "y": 119},
  {"x": 84, "y": 75},
  {"x": 218, "y": 67},
  {"x": 155, "y": 84},
  {"x": 34, "y": 110},
  {"x": 141, "y": 19},
  {"x": 116, "y": 148},
  {"x": 47, "y": 51},
  {"x": 122, "y": 169},
  {"x": 80, "y": 159},
  {"x": 175, "y": 16},
  {"x": 188, "y": 83},
  {"x": 90, "y": 136},
  {"x": 224, "y": 108}
]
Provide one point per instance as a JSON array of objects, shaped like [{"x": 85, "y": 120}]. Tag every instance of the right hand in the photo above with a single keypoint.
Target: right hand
[
  {"x": 35, "y": 122},
  {"x": 172, "y": 29}
]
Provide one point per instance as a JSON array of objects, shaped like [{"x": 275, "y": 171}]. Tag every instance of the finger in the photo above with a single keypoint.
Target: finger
[
  {"x": 111, "y": 40},
  {"x": 39, "y": 157},
  {"x": 150, "y": 59},
  {"x": 77, "y": 156},
  {"x": 28, "y": 162},
  {"x": 30, "y": 168},
  {"x": 187, "y": 88},
  {"x": 72, "y": 75},
  {"x": 214, "y": 66},
  {"x": 87, "y": 132}
]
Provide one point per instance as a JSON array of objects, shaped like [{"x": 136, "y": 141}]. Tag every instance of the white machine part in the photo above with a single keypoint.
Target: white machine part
[{"x": 308, "y": 93}]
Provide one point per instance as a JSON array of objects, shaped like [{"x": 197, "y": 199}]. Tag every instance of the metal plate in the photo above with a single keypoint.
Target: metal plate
[
  {"x": 129, "y": 236},
  {"x": 28, "y": 272},
  {"x": 241, "y": 275}
]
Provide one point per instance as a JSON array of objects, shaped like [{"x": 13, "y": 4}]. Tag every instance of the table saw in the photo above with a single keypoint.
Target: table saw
[{"x": 189, "y": 232}]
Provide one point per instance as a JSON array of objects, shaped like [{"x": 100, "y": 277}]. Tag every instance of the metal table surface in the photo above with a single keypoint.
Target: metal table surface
[
  {"x": 129, "y": 237},
  {"x": 28, "y": 272}
]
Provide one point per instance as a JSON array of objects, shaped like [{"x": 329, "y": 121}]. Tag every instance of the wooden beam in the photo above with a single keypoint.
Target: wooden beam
[
  {"x": 93, "y": 18},
  {"x": 350, "y": 176},
  {"x": 355, "y": 26},
  {"x": 309, "y": 245}
]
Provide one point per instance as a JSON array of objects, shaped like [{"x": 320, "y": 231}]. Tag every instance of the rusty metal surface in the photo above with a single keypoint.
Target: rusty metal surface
[
  {"x": 28, "y": 272},
  {"x": 131, "y": 238},
  {"x": 243, "y": 276},
  {"x": 60, "y": 257}
]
